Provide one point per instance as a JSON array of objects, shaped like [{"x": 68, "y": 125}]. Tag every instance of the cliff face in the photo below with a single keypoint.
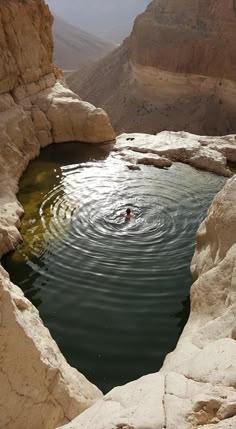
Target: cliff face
[
  {"x": 26, "y": 43},
  {"x": 36, "y": 108},
  {"x": 38, "y": 388},
  {"x": 26, "y": 70},
  {"x": 193, "y": 37},
  {"x": 179, "y": 72}
]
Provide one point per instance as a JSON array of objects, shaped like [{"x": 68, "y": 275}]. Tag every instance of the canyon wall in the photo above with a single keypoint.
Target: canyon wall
[
  {"x": 36, "y": 107},
  {"x": 175, "y": 72},
  {"x": 196, "y": 385},
  {"x": 38, "y": 389}
]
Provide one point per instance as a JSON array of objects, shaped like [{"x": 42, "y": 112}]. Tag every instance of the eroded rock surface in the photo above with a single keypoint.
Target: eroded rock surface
[
  {"x": 204, "y": 152},
  {"x": 38, "y": 388},
  {"x": 26, "y": 71},
  {"x": 196, "y": 385},
  {"x": 36, "y": 107}
]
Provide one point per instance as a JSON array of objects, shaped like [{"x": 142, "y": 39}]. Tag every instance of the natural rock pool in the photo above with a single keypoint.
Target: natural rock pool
[{"x": 114, "y": 294}]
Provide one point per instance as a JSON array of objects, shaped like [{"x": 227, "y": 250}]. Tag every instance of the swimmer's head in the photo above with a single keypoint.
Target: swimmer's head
[{"x": 128, "y": 211}]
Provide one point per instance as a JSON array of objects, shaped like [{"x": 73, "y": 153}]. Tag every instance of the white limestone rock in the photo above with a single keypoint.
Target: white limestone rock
[
  {"x": 206, "y": 153},
  {"x": 134, "y": 406},
  {"x": 135, "y": 157},
  {"x": 38, "y": 388},
  {"x": 72, "y": 119},
  {"x": 216, "y": 235},
  {"x": 43, "y": 128}
]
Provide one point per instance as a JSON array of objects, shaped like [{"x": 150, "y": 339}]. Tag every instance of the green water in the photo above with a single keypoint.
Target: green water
[{"x": 114, "y": 294}]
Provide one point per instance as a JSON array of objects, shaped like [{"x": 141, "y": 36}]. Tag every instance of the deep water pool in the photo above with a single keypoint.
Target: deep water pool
[{"x": 114, "y": 294}]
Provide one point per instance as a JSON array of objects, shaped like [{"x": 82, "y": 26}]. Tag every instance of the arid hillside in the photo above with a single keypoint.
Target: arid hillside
[
  {"x": 74, "y": 47},
  {"x": 176, "y": 71}
]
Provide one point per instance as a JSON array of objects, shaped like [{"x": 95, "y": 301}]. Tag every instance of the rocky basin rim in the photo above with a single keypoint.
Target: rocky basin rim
[{"x": 146, "y": 384}]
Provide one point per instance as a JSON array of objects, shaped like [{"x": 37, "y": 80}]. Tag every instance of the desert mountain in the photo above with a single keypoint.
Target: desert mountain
[
  {"x": 74, "y": 48},
  {"x": 176, "y": 71},
  {"x": 108, "y": 19}
]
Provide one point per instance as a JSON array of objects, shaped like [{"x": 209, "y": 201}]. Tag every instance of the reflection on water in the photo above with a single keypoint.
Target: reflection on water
[{"x": 114, "y": 294}]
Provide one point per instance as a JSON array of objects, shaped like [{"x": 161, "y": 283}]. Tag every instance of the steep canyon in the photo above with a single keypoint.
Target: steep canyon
[{"x": 175, "y": 72}]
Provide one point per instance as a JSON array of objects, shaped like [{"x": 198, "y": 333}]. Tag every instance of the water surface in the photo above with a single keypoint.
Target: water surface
[{"x": 114, "y": 294}]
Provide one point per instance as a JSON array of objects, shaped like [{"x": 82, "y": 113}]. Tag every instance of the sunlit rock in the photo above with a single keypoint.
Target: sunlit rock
[
  {"x": 38, "y": 388},
  {"x": 148, "y": 158},
  {"x": 69, "y": 118},
  {"x": 206, "y": 153},
  {"x": 138, "y": 404}
]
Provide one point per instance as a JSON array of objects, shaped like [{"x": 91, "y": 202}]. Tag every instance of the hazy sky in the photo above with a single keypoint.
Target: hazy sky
[{"x": 109, "y": 19}]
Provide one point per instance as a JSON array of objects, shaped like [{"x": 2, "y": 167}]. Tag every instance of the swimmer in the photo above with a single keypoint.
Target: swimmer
[{"x": 128, "y": 215}]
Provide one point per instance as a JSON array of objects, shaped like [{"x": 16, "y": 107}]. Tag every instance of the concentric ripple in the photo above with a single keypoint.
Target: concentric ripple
[{"x": 113, "y": 292}]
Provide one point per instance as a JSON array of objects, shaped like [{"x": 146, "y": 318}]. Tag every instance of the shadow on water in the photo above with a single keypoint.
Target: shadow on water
[
  {"x": 183, "y": 315},
  {"x": 114, "y": 294},
  {"x": 232, "y": 166}
]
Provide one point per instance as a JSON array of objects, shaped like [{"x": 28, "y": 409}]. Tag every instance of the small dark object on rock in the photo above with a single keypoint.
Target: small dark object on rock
[
  {"x": 130, "y": 138},
  {"x": 133, "y": 167}
]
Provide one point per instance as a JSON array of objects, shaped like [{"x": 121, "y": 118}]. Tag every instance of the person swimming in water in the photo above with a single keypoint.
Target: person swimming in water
[{"x": 128, "y": 215}]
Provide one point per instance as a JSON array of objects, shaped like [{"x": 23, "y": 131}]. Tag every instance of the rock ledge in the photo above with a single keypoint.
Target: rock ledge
[{"x": 160, "y": 150}]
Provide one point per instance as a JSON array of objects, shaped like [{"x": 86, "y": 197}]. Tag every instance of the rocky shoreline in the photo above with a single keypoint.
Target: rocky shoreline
[
  {"x": 188, "y": 389},
  {"x": 161, "y": 150}
]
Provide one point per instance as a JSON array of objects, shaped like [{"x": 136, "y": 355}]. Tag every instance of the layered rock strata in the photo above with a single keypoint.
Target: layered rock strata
[
  {"x": 196, "y": 385},
  {"x": 175, "y": 72},
  {"x": 203, "y": 152},
  {"x": 38, "y": 389},
  {"x": 36, "y": 108}
]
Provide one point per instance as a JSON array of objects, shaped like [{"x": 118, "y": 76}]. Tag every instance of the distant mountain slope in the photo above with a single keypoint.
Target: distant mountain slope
[
  {"x": 74, "y": 48},
  {"x": 108, "y": 19},
  {"x": 175, "y": 72}
]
